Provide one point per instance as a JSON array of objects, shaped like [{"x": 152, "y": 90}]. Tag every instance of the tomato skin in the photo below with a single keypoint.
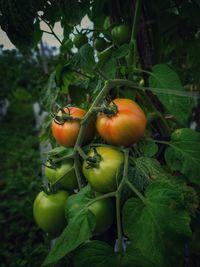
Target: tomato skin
[
  {"x": 69, "y": 181},
  {"x": 67, "y": 133},
  {"x": 103, "y": 210},
  {"x": 121, "y": 34},
  {"x": 124, "y": 128},
  {"x": 49, "y": 212},
  {"x": 80, "y": 39},
  {"x": 103, "y": 178},
  {"x": 100, "y": 44}
]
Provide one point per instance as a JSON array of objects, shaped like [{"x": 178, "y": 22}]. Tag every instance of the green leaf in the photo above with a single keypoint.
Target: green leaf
[
  {"x": 58, "y": 151},
  {"x": 81, "y": 223},
  {"x": 158, "y": 222},
  {"x": 122, "y": 51},
  {"x": 84, "y": 59},
  {"x": 165, "y": 78},
  {"x": 100, "y": 254},
  {"x": 96, "y": 254},
  {"x": 97, "y": 15},
  {"x": 109, "y": 68},
  {"x": 184, "y": 153},
  {"x": 144, "y": 171},
  {"x": 50, "y": 92},
  {"x": 78, "y": 202},
  {"x": 148, "y": 149},
  {"x": 73, "y": 11}
]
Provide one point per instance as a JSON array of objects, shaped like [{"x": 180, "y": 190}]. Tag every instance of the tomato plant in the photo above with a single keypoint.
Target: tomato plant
[
  {"x": 101, "y": 171},
  {"x": 80, "y": 39},
  {"x": 125, "y": 127},
  {"x": 121, "y": 34},
  {"x": 153, "y": 176},
  {"x": 49, "y": 212},
  {"x": 66, "y": 131},
  {"x": 63, "y": 172}
]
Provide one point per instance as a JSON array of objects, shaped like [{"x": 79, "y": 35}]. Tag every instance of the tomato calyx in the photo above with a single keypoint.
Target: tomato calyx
[
  {"x": 110, "y": 111},
  {"x": 64, "y": 116},
  {"x": 93, "y": 161},
  {"x": 50, "y": 189}
]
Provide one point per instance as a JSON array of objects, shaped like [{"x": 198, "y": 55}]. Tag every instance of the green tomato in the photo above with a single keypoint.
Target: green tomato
[
  {"x": 49, "y": 212},
  {"x": 63, "y": 169},
  {"x": 103, "y": 211},
  {"x": 100, "y": 44},
  {"x": 80, "y": 39},
  {"x": 121, "y": 34},
  {"x": 102, "y": 177}
]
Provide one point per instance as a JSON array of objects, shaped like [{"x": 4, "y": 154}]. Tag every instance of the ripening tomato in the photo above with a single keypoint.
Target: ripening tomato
[
  {"x": 64, "y": 171},
  {"x": 66, "y": 133},
  {"x": 125, "y": 127},
  {"x": 49, "y": 212},
  {"x": 103, "y": 176}
]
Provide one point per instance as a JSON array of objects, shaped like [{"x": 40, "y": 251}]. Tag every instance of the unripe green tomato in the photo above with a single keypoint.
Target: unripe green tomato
[
  {"x": 64, "y": 169},
  {"x": 80, "y": 39},
  {"x": 121, "y": 34},
  {"x": 103, "y": 210},
  {"x": 102, "y": 178},
  {"x": 49, "y": 212},
  {"x": 100, "y": 44}
]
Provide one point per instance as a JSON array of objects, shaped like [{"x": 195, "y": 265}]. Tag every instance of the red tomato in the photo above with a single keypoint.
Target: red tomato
[
  {"x": 125, "y": 127},
  {"x": 67, "y": 132}
]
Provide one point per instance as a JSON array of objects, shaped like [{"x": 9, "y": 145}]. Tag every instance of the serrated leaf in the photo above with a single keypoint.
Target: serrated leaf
[
  {"x": 100, "y": 254},
  {"x": 109, "y": 68},
  {"x": 165, "y": 78},
  {"x": 84, "y": 59},
  {"x": 158, "y": 221},
  {"x": 79, "y": 230},
  {"x": 146, "y": 170},
  {"x": 184, "y": 153},
  {"x": 96, "y": 254},
  {"x": 148, "y": 149}
]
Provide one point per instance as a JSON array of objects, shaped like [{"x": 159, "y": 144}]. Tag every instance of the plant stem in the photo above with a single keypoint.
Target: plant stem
[
  {"x": 64, "y": 157},
  {"x": 82, "y": 153},
  {"x": 51, "y": 29},
  {"x": 118, "y": 200},
  {"x": 134, "y": 189},
  {"x": 111, "y": 194},
  {"x": 132, "y": 54}
]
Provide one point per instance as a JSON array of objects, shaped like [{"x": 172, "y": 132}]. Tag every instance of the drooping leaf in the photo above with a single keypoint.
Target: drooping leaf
[
  {"x": 157, "y": 222},
  {"x": 184, "y": 153},
  {"x": 165, "y": 78},
  {"x": 81, "y": 223}
]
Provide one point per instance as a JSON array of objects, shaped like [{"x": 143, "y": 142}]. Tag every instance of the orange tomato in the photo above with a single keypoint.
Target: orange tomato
[
  {"x": 66, "y": 133},
  {"x": 125, "y": 127}
]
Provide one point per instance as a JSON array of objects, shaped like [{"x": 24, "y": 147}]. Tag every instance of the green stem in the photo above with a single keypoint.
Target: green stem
[
  {"x": 134, "y": 189},
  {"x": 118, "y": 200},
  {"x": 77, "y": 168},
  {"x": 132, "y": 54},
  {"x": 62, "y": 158},
  {"x": 111, "y": 194},
  {"x": 82, "y": 153}
]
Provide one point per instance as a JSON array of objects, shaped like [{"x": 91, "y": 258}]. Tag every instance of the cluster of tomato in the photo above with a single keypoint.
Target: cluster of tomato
[
  {"x": 119, "y": 35},
  {"x": 122, "y": 123}
]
